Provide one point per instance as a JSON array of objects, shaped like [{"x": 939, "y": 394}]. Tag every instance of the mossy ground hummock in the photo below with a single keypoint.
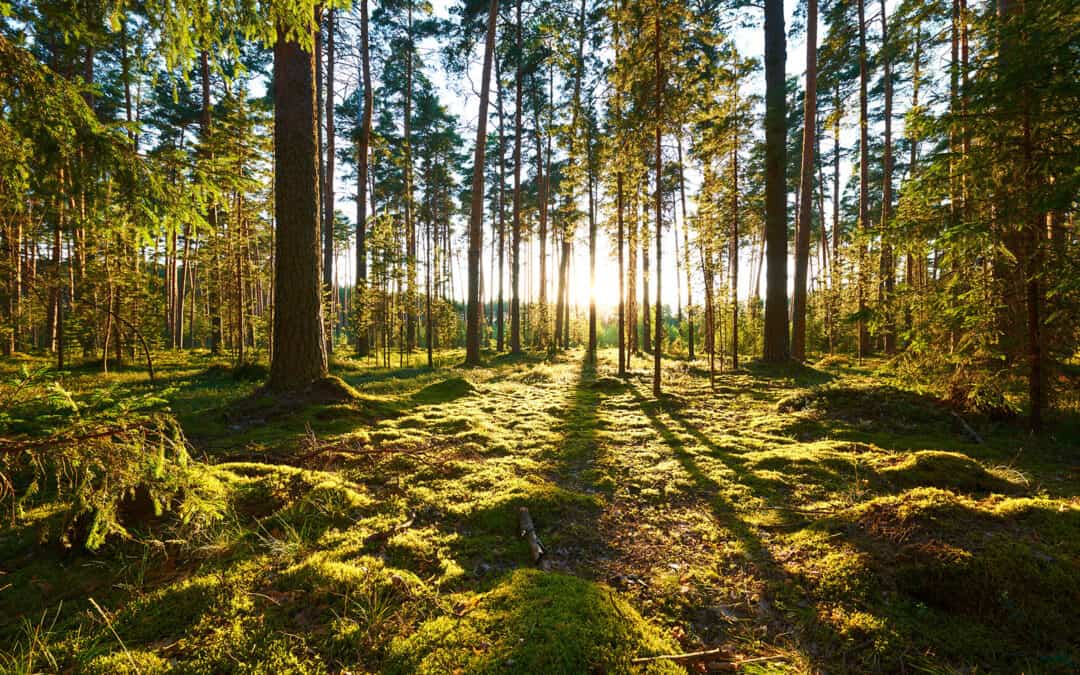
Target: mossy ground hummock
[{"x": 806, "y": 515}]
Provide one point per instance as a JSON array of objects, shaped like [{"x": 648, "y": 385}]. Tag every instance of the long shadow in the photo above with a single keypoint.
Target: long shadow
[{"x": 777, "y": 580}]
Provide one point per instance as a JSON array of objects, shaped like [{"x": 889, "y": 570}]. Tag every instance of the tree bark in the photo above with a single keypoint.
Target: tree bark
[
  {"x": 802, "y": 235},
  {"x": 776, "y": 324},
  {"x": 328, "y": 182},
  {"x": 515, "y": 245},
  {"x": 299, "y": 348},
  {"x": 361, "y": 185},
  {"x": 476, "y": 215},
  {"x": 864, "y": 346},
  {"x": 658, "y": 342}
]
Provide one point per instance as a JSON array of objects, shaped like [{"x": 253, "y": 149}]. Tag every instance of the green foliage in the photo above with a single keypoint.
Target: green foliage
[{"x": 114, "y": 462}]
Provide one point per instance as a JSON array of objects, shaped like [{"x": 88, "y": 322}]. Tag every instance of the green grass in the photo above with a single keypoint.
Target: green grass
[{"x": 828, "y": 518}]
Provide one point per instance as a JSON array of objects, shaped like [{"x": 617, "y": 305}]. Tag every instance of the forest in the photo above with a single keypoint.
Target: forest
[{"x": 539, "y": 336}]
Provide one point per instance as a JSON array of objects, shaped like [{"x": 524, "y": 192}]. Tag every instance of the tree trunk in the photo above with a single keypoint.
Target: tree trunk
[
  {"x": 542, "y": 332},
  {"x": 476, "y": 215},
  {"x": 686, "y": 253},
  {"x": 328, "y": 182},
  {"x": 734, "y": 256},
  {"x": 776, "y": 324},
  {"x": 658, "y": 343},
  {"x": 864, "y": 347},
  {"x": 887, "y": 267},
  {"x": 802, "y": 235},
  {"x": 299, "y": 348},
  {"x": 515, "y": 246},
  {"x": 500, "y": 341},
  {"x": 361, "y": 186},
  {"x": 622, "y": 290}
]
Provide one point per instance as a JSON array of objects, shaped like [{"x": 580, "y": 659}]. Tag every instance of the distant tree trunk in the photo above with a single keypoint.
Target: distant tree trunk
[
  {"x": 836, "y": 279},
  {"x": 734, "y": 256},
  {"x": 328, "y": 189},
  {"x": 542, "y": 198},
  {"x": 515, "y": 246},
  {"x": 476, "y": 214},
  {"x": 658, "y": 343},
  {"x": 299, "y": 348},
  {"x": 686, "y": 253},
  {"x": 499, "y": 337},
  {"x": 410, "y": 220},
  {"x": 561, "y": 285},
  {"x": 888, "y": 266},
  {"x": 776, "y": 324},
  {"x": 622, "y": 290},
  {"x": 802, "y": 235},
  {"x": 646, "y": 315},
  {"x": 592, "y": 251},
  {"x": 864, "y": 347},
  {"x": 631, "y": 285},
  {"x": 214, "y": 296},
  {"x": 361, "y": 185}
]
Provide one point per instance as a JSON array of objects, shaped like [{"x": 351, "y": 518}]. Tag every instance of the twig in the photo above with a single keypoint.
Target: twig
[
  {"x": 682, "y": 658},
  {"x": 690, "y": 657}
]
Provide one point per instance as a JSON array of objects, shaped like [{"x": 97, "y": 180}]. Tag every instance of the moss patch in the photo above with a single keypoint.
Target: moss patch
[{"x": 534, "y": 622}]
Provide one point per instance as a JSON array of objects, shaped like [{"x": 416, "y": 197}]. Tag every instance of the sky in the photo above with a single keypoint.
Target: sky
[{"x": 461, "y": 99}]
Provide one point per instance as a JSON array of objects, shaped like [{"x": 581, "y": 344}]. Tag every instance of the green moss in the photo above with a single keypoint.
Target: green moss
[
  {"x": 445, "y": 391},
  {"x": 534, "y": 622},
  {"x": 130, "y": 662},
  {"x": 950, "y": 470}
]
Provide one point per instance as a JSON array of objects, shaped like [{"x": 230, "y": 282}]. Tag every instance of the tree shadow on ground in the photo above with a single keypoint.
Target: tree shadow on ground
[{"x": 779, "y": 590}]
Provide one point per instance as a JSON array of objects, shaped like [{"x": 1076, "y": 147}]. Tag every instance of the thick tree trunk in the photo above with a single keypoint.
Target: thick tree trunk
[
  {"x": 802, "y": 235},
  {"x": 476, "y": 215},
  {"x": 299, "y": 348},
  {"x": 776, "y": 324}
]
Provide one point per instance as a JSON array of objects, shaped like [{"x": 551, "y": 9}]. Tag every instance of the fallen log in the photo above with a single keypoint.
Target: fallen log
[{"x": 525, "y": 525}]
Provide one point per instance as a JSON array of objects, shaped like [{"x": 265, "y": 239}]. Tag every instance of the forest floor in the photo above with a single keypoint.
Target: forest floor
[{"x": 792, "y": 519}]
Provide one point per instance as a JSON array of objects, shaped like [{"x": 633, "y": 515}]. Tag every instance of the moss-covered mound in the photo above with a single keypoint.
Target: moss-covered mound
[
  {"x": 1009, "y": 566},
  {"x": 534, "y": 622},
  {"x": 447, "y": 390},
  {"x": 947, "y": 470},
  {"x": 884, "y": 405}
]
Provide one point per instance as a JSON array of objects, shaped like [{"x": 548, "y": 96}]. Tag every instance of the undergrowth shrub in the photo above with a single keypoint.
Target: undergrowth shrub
[{"x": 112, "y": 462}]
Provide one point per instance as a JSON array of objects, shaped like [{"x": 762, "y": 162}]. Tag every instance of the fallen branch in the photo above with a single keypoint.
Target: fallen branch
[
  {"x": 10, "y": 447},
  {"x": 967, "y": 427},
  {"x": 525, "y": 524},
  {"x": 689, "y": 657},
  {"x": 705, "y": 655}
]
